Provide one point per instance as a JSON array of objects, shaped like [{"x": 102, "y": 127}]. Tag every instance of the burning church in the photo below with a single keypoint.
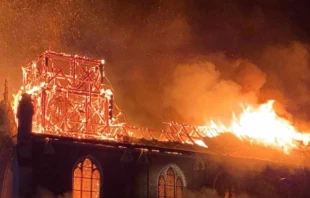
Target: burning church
[{"x": 73, "y": 139}]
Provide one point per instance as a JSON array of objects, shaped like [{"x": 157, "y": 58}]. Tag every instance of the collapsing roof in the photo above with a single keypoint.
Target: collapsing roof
[{"x": 74, "y": 99}]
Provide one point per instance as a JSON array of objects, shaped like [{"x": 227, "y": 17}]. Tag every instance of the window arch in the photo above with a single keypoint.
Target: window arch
[
  {"x": 179, "y": 188},
  {"x": 161, "y": 187},
  {"x": 170, "y": 183},
  {"x": 86, "y": 180}
]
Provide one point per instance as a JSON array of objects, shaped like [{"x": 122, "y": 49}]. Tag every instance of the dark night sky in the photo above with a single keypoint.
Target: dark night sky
[{"x": 145, "y": 42}]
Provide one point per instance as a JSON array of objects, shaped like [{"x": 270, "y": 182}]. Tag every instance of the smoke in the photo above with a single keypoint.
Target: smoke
[
  {"x": 288, "y": 78},
  {"x": 151, "y": 47},
  {"x": 198, "y": 91},
  {"x": 218, "y": 85}
]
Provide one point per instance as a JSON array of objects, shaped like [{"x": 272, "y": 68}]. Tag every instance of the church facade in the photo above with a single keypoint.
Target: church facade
[{"x": 87, "y": 169}]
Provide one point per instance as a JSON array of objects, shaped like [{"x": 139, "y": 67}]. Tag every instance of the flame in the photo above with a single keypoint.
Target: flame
[
  {"x": 201, "y": 143},
  {"x": 261, "y": 125},
  {"x": 69, "y": 109}
]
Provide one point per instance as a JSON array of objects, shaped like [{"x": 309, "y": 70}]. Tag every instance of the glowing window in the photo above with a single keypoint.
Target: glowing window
[
  {"x": 179, "y": 188},
  {"x": 86, "y": 180},
  {"x": 170, "y": 183},
  {"x": 161, "y": 187}
]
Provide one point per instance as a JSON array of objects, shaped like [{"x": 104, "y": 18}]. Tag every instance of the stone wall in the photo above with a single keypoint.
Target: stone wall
[
  {"x": 126, "y": 172},
  {"x": 130, "y": 172}
]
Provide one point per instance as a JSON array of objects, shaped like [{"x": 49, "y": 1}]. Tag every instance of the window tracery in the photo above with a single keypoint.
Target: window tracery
[
  {"x": 170, "y": 184},
  {"x": 161, "y": 187},
  {"x": 179, "y": 188},
  {"x": 86, "y": 180}
]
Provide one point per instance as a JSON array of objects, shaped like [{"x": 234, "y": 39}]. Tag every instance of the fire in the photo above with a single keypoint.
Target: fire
[
  {"x": 261, "y": 125},
  {"x": 73, "y": 98}
]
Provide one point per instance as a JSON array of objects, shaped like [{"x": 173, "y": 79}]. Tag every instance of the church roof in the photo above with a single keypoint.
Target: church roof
[{"x": 225, "y": 145}]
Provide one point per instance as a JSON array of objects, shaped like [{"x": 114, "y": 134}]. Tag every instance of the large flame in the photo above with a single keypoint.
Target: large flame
[{"x": 261, "y": 125}]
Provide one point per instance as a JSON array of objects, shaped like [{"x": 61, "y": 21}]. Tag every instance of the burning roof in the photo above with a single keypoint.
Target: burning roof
[{"x": 73, "y": 98}]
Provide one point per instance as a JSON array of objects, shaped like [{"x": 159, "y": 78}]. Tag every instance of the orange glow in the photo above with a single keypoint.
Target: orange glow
[
  {"x": 73, "y": 98},
  {"x": 179, "y": 188},
  {"x": 200, "y": 143},
  {"x": 161, "y": 187},
  {"x": 261, "y": 125},
  {"x": 170, "y": 186},
  {"x": 86, "y": 180}
]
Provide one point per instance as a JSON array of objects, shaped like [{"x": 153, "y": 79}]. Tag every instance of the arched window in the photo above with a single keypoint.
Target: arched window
[
  {"x": 161, "y": 187},
  {"x": 170, "y": 183},
  {"x": 179, "y": 188},
  {"x": 86, "y": 180}
]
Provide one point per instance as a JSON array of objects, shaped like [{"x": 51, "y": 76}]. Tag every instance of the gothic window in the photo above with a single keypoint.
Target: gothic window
[
  {"x": 161, "y": 187},
  {"x": 170, "y": 184},
  {"x": 179, "y": 188},
  {"x": 86, "y": 180}
]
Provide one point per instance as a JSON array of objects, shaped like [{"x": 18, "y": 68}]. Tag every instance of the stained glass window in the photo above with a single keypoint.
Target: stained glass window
[
  {"x": 179, "y": 188},
  {"x": 161, "y": 187},
  {"x": 86, "y": 180},
  {"x": 170, "y": 183}
]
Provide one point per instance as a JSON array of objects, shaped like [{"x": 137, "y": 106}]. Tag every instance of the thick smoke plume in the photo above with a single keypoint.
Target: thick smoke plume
[
  {"x": 218, "y": 85},
  {"x": 182, "y": 61},
  {"x": 199, "y": 91},
  {"x": 288, "y": 72}
]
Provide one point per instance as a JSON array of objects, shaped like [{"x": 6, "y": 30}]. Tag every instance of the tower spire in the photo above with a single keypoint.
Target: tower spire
[{"x": 6, "y": 91}]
